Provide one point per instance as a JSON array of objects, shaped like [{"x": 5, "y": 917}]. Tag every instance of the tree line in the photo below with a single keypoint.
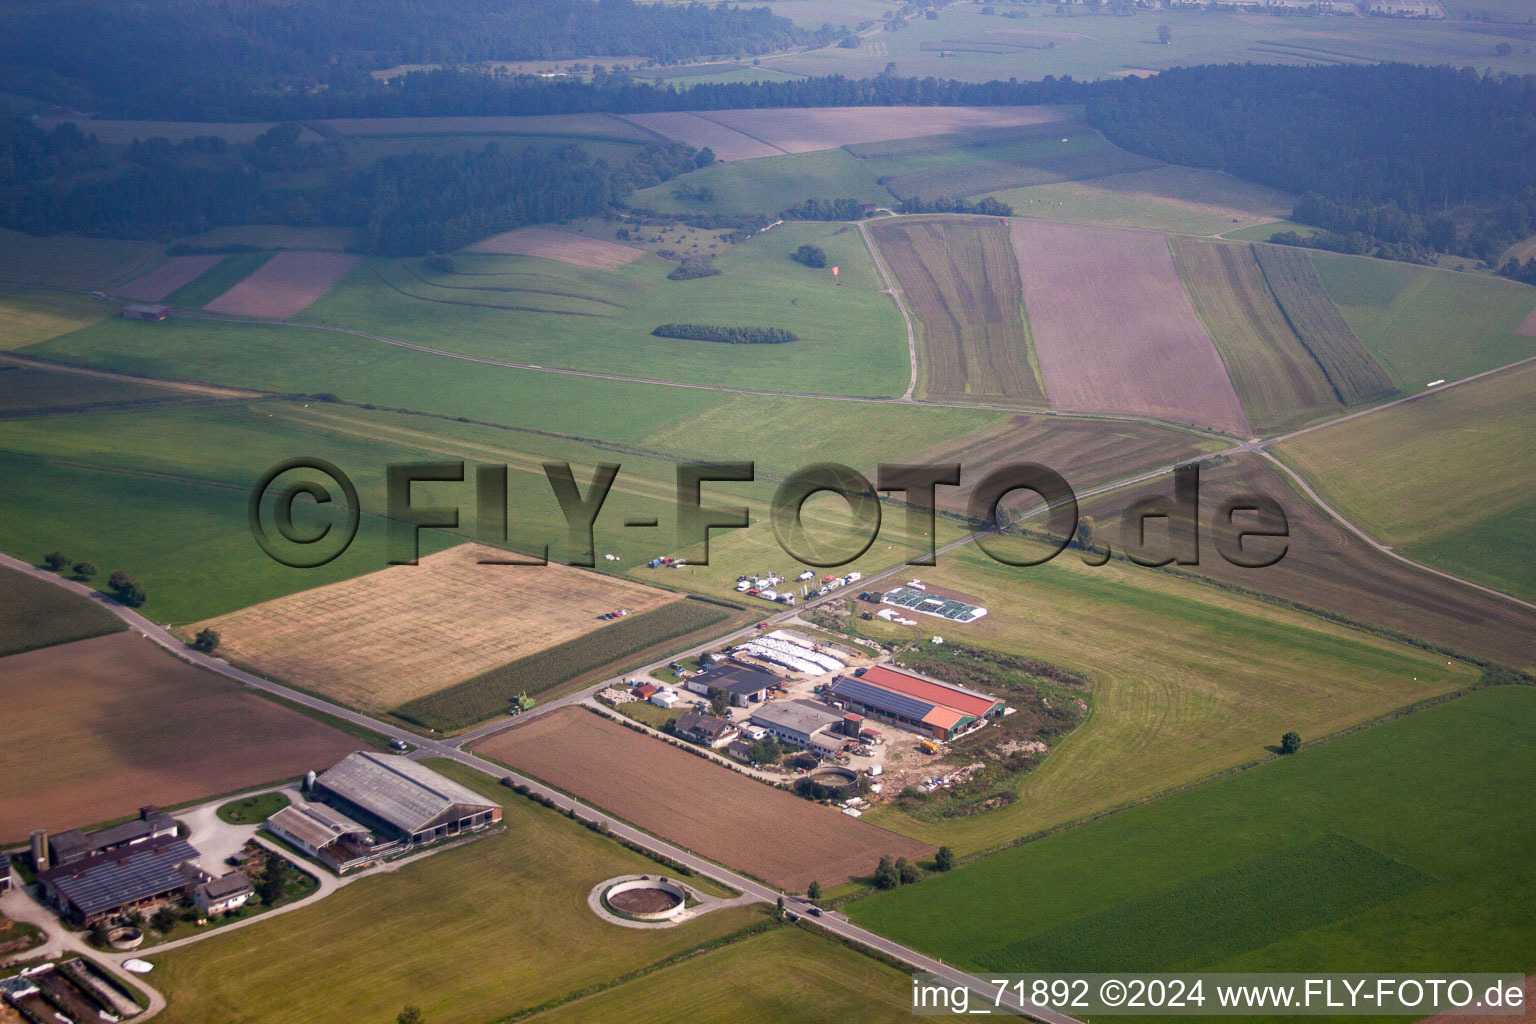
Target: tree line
[
  {"x": 727, "y": 335},
  {"x": 1394, "y": 160},
  {"x": 227, "y": 54},
  {"x": 412, "y": 204}
]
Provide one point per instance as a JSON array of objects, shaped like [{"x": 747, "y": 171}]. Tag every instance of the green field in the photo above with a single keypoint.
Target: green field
[
  {"x": 1187, "y": 681},
  {"x": 1042, "y": 41},
  {"x": 35, "y": 613},
  {"x": 540, "y": 312},
  {"x": 217, "y": 279},
  {"x": 1491, "y": 551},
  {"x": 27, "y": 317},
  {"x": 1400, "y": 848},
  {"x": 1425, "y": 325},
  {"x": 1299, "y": 291},
  {"x": 73, "y": 262},
  {"x": 973, "y": 163},
  {"x": 787, "y": 974},
  {"x": 469, "y": 935},
  {"x": 1184, "y": 200},
  {"x": 39, "y": 391},
  {"x": 768, "y": 184},
  {"x": 1446, "y": 476},
  {"x": 1279, "y": 382}
]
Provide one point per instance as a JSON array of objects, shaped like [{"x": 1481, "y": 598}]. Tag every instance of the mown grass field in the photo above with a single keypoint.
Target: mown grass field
[
  {"x": 961, "y": 277},
  {"x": 1399, "y": 848},
  {"x": 1425, "y": 325},
  {"x": 976, "y": 162},
  {"x": 1184, "y": 200},
  {"x": 27, "y": 317},
  {"x": 1279, "y": 382},
  {"x": 35, "y": 613},
  {"x": 768, "y": 184},
  {"x": 1491, "y": 551},
  {"x": 789, "y": 973},
  {"x": 471, "y": 934},
  {"x": 545, "y": 313},
  {"x": 1435, "y": 468},
  {"x": 1186, "y": 681}
]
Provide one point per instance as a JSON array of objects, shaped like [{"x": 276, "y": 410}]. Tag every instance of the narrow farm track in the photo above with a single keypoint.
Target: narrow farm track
[
  {"x": 749, "y": 887},
  {"x": 901, "y": 307}
]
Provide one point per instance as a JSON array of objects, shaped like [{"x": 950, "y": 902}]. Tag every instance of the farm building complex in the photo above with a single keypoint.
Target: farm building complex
[
  {"x": 745, "y": 685},
  {"x": 797, "y": 723},
  {"x": 924, "y": 705},
  {"x": 398, "y": 799}
]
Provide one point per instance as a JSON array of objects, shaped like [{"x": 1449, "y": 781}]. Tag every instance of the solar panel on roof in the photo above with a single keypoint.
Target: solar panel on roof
[
  {"x": 881, "y": 698},
  {"x": 114, "y": 880}
]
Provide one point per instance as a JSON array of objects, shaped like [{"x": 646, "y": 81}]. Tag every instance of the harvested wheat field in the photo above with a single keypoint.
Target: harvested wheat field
[
  {"x": 98, "y": 728},
  {"x": 1114, "y": 330},
  {"x": 704, "y": 807},
  {"x": 285, "y": 284},
  {"x": 962, "y": 280},
  {"x": 167, "y": 277},
  {"x": 698, "y": 131},
  {"x": 380, "y": 640},
  {"x": 564, "y": 246},
  {"x": 805, "y": 130}
]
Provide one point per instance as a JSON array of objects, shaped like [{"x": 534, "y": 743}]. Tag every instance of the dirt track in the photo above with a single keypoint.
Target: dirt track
[{"x": 718, "y": 813}]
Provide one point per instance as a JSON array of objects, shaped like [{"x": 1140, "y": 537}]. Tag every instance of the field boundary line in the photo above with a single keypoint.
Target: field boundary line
[
  {"x": 901, "y": 307},
  {"x": 1383, "y": 548}
]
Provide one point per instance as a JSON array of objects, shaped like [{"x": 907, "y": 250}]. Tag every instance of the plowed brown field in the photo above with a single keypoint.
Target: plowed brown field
[
  {"x": 711, "y": 810},
  {"x": 284, "y": 285},
  {"x": 1114, "y": 329},
  {"x": 98, "y": 728},
  {"x": 167, "y": 277}
]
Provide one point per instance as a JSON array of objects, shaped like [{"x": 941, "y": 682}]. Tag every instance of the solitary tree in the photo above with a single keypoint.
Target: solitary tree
[
  {"x": 944, "y": 860},
  {"x": 705, "y": 158},
  {"x": 55, "y": 560},
  {"x": 720, "y": 703},
  {"x": 207, "y": 640},
  {"x": 778, "y": 907},
  {"x": 909, "y": 873},
  {"x": 1290, "y": 743},
  {"x": 125, "y": 589},
  {"x": 886, "y": 875},
  {"x": 85, "y": 570},
  {"x": 410, "y": 1015},
  {"x": 813, "y": 891},
  {"x": 1165, "y": 33},
  {"x": 1084, "y": 537}
]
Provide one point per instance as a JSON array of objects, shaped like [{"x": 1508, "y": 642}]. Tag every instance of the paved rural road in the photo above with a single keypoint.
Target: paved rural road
[{"x": 437, "y": 748}]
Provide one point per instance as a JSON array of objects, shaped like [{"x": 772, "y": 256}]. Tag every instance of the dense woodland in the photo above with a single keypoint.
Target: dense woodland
[
  {"x": 1393, "y": 159},
  {"x": 208, "y": 59},
  {"x": 402, "y": 205}
]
